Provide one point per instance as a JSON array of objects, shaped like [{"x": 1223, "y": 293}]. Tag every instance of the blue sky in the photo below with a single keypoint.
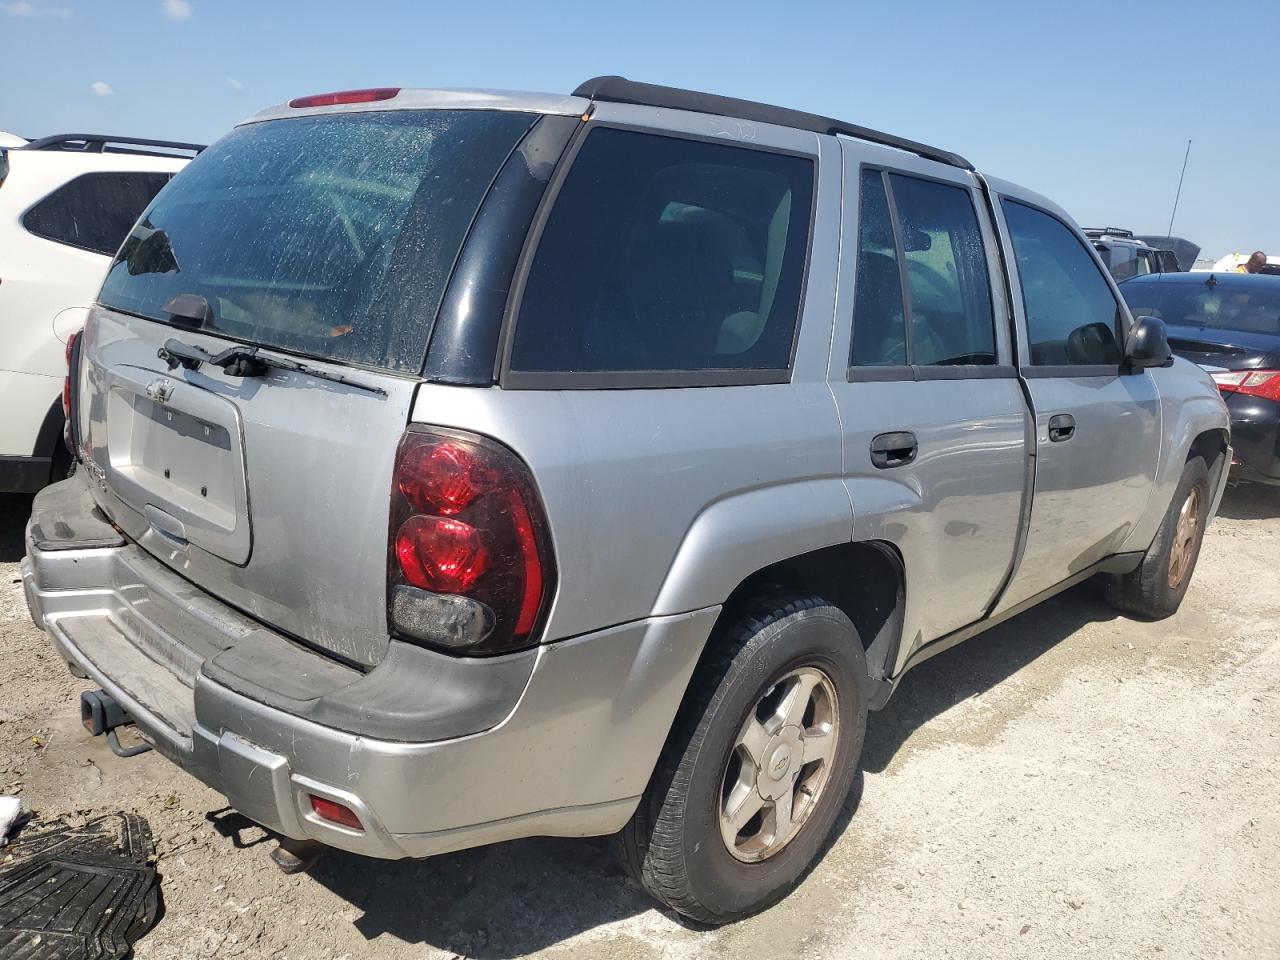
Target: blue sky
[{"x": 1089, "y": 103}]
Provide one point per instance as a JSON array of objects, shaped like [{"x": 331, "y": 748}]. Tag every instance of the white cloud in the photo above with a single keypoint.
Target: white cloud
[
  {"x": 234, "y": 84},
  {"x": 101, "y": 89},
  {"x": 177, "y": 9},
  {"x": 24, "y": 8}
]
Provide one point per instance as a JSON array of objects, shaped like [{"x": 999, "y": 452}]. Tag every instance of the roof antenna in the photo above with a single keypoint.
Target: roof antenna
[{"x": 1178, "y": 195}]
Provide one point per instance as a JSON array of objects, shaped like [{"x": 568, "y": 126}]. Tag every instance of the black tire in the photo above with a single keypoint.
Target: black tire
[
  {"x": 673, "y": 844},
  {"x": 1146, "y": 591}
]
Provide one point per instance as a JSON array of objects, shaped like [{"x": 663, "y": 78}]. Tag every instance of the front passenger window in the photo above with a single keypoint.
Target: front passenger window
[{"x": 1072, "y": 316}]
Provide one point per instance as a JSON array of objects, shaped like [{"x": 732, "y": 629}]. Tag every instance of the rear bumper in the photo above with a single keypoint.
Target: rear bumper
[
  {"x": 565, "y": 752},
  {"x": 1255, "y": 435}
]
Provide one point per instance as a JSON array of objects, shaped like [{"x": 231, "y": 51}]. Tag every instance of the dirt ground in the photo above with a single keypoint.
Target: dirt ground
[{"x": 1070, "y": 784}]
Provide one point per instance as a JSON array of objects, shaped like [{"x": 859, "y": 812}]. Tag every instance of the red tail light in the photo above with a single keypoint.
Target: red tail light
[
  {"x": 66, "y": 383},
  {"x": 441, "y": 554},
  {"x": 1254, "y": 383},
  {"x": 470, "y": 566},
  {"x": 345, "y": 96}
]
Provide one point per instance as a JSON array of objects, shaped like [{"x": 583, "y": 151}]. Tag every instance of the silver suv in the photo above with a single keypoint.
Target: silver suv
[{"x": 462, "y": 466}]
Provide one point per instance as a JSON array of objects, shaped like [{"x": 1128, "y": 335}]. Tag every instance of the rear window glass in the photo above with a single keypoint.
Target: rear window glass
[
  {"x": 668, "y": 255},
  {"x": 331, "y": 236},
  {"x": 1213, "y": 304},
  {"x": 95, "y": 211}
]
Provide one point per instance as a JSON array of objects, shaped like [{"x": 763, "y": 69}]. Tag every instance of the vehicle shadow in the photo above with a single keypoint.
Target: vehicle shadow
[
  {"x": 1250, "y": 501},
  {"x": 15, "y": 510},
  {"x": 500, "y": 901},
  {"x": 505, "y": 900}
]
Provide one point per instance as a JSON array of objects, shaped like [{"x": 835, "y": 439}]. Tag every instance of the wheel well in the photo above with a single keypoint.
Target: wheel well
[
  {"x": 1212, "y": 447},
  {"x": 865, "y": 580}
]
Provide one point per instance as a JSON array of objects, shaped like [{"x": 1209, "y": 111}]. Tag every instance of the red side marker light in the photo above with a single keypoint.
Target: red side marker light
[
  {"x": 345, "y": 96},
  {"x": 335, "y": 812}
]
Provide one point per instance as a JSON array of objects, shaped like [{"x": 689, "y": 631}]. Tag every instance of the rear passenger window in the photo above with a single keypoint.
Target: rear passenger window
[
  {"x": 664, "y": 255},
  {"x": 1072, "y": 315},
  {"x": 947, "y": 319},
  {"x": 95, "y": 211},
  {"x": 947, "y": 283}
]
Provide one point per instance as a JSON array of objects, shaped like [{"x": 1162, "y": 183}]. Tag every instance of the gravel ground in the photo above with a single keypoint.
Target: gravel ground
[{"x": 1070, "y": 784}]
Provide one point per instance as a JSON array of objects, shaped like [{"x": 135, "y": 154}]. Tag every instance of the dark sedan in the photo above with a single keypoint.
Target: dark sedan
[{"x": 1229, "y": 323}]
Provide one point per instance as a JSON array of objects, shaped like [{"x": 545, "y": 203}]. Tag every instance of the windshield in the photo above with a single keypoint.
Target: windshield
[
  {"x": 331, "y": 236},
  {"x": 1216, "y": 305}
]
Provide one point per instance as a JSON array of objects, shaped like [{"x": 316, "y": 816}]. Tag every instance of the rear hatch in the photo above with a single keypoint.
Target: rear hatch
[{"x": 323, "y": 242}]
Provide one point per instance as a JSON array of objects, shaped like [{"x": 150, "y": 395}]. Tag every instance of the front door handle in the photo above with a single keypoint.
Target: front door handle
[
  {"x": 894, "y": 449},
  {"x": 1062, "y": 426}
]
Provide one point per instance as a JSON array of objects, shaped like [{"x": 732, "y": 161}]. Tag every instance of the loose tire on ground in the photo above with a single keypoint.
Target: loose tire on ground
[
  {"x": 1155, "y": 589},
  {"x": 786, "y": 657}
]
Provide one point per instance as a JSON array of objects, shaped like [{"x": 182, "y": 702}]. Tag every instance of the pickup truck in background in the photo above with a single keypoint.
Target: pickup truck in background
[{"x": 458, "y": 467}]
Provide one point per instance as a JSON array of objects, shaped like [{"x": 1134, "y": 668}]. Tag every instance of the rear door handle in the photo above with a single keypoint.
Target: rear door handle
[
  {"x": 1062, "y": 426},
  {"x": 894, "y": 449}
]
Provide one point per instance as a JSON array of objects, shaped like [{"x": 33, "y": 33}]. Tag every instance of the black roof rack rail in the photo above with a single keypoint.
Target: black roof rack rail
[
  {"x": 622, "y": 90},
  {"x": 1107, "y": 231},
  {"x": 101, "y": 143}
]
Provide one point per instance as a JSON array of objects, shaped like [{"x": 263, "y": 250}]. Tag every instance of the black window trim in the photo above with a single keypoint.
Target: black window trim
[
  {"x": 1029, "y": 371},
  {"x": 168, "y": 174},
  {"x": 509, "y": 379},
  {"x": 920, "y": 372}
]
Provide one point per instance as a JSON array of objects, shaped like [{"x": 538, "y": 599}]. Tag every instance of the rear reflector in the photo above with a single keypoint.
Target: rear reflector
[
  {"x": 345, "y": 96},
  {"x": 335, "y": 812}
]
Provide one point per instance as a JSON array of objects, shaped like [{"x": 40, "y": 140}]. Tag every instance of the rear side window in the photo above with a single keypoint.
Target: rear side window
[
  {"x": 95, "y": 211},
  {"x": 948, "y": 318},
  {"x": 667, "y": 256},
  {"x": 1072, "y": 316},
  {"x": 947, "y": 283},
  {"x": 331, "y": 236}
]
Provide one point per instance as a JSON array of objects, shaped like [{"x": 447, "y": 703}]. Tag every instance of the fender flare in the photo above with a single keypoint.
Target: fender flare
[{"x": 741, "y": 534}]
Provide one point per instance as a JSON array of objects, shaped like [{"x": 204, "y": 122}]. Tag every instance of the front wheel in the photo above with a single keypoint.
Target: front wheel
[
  {"x": 1156, "y": 588},
  {"x": 760, "y": 761}
]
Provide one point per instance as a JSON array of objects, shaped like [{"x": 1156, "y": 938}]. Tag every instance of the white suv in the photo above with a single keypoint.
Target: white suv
[{"x": 66, "y": 203}]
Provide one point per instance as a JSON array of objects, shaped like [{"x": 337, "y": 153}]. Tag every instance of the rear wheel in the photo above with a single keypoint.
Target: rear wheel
[
  {"x": 755, "y": 772},
  {"x": 1156, "y": 588}
]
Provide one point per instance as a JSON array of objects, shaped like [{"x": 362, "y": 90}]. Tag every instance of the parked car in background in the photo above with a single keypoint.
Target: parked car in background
[
  {"x": 501, "y": 465},
  {"x": 66, "y": 203},
  {"x": 1128, "y": 256},
  {"x": 1228, "y": 323},
  {"x": 1184, "y": 251}
]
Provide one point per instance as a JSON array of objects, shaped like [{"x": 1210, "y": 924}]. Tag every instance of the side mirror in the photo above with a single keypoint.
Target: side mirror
[{"x": 1147, "y": 344}]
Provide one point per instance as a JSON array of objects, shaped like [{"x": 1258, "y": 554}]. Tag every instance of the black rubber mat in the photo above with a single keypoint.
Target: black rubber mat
[{"x": 78, "y": 893}]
